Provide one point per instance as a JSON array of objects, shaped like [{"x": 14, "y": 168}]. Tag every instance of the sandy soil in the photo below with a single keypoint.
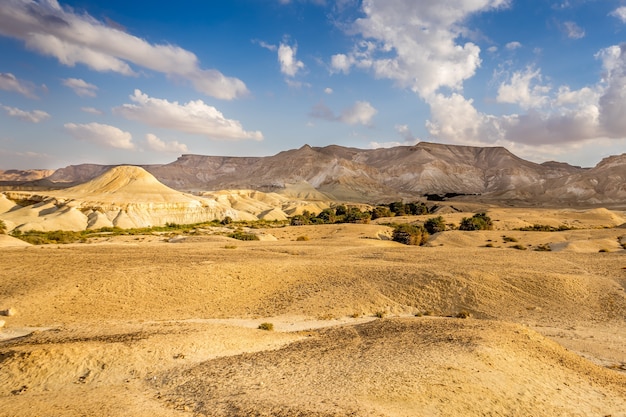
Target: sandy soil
[{"x": 167, "y": 326}]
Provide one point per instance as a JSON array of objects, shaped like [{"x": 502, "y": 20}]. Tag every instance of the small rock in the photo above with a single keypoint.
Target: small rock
[{"x": 8, "y": 312}]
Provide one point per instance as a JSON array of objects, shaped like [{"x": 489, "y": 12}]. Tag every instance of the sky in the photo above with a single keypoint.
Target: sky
[{"x": 142, "y": 82}]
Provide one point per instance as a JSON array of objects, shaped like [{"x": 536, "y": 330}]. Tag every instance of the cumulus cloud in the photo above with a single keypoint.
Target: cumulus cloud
[
  {"x": 73, "y": 38},
  {"x": 194, "y": 117},
  {"x": 35, "y": 116},
  {"x": 513, "y": 45},
  {"x": 524, "y": 90},
  {"x": 101, "y": 134},
  {"x": 362, "y": 112},
  {"x": 415, "y": 43},
  {"x": 156, "y": 144},
  {"x": 328, "y": 90},
  {"x": 81, "y": 87},
  {"x": 620, "y": 13},
  {"x": 289, "y": 64},
  {"x": 566, "y": 120},
  {"x": 9, "y": 82}
]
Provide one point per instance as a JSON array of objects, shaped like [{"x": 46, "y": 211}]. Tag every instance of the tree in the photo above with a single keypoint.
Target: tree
[
  {"x": 435, "y": 225},
  {"x": 410, "y": 234},
  {"x": 328, "y": 215},
  {"x": 380, "y": 211},
  {"x": 479, "y": 221}
]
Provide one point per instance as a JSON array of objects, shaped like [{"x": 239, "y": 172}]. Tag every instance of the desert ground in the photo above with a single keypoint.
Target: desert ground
[{"x": 467, "y": 325}]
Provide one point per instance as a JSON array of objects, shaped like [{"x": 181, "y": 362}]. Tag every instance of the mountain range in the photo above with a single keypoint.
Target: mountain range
[{"x": 435, "y": 171}]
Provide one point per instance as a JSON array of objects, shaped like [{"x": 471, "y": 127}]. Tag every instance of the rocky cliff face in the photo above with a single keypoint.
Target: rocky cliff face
[{"x": 383, "y": 175}]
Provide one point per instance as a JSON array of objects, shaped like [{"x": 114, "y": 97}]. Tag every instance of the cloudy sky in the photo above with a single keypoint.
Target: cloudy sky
[{"x": 121, "y": 81}]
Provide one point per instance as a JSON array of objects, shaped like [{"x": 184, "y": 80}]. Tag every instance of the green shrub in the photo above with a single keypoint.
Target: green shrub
[
  {"x": 544, "y": 228},
  {"x": 266, "y": 326},
  {"x": 379, "y": 314},
  {"x": 479, "y": 221},
  {"x": 241, "y": 235},
  {"x": 435, "y": 225},
  {"x": 410, "y": 234}
]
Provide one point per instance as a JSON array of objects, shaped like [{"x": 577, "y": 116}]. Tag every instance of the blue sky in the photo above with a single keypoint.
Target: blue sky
[{"x": 111, "y": 82}]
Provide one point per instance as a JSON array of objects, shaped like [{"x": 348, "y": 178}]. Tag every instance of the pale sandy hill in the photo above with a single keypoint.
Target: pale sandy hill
[
  {"x": 9, "y": 241},
  {"x": 5, "y": 204},
  {"x": 126, "y": 184}
]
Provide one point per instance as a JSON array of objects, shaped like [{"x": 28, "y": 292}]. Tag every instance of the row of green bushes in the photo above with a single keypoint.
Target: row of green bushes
[{"x": 411, "y": 234}]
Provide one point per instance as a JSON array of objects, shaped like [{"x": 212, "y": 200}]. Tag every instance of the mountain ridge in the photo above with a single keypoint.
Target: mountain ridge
[{"x": 387, "y": 174}]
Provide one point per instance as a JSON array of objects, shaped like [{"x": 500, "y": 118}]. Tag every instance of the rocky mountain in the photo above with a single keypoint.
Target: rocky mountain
[
  {"x": 12, "y": 175},
  {"x": 388, "y": 174}
]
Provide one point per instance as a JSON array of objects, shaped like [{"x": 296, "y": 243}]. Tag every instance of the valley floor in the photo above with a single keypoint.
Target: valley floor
[{"x": 363, "y": 326}]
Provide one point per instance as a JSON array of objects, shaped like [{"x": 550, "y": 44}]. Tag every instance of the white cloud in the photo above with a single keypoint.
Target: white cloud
[
  {"x": 415, "y": 44},
  {"x": 572, "y": 30},
  {"x": 362, "y": 112},
  {"x": 612, "y": 103},
  {"x": 620, "y": 13},
  {"x": 265, "y": 45},
  {"x": 328, "y": 90},
  {"x": 406, "y": 134},
  {"x": 100, "y": 134},
  {"x": 35, "y": 116},
  {"x": 81, "y": 87},
  {"x": 91, "y": 110},
  {"x": 513, "y": 45},
  {"x": 524, "y": 90},
  {"x": 289, "y": 64},
  {"x": 342, "y": 63},
  {"x": 9, "y": 82},
  {"x": 159, "y": 145},
  {"x": 73, "y": 39},
  {"x": 194, "y": 117}
]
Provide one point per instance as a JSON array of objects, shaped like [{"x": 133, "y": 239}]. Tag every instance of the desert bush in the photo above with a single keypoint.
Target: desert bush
[
  {"x": 435, "y": 225},
  {"x": 410, "y": 234},
  {"x": 604, "y": 250},
  {"x": 299, "y": 220},
  {"x": 241, "y": 235},
  {"x": 509, "y": 239},
  {"x": 266, "y": 326},
  {"x": 303, "y": 238},
  {"x": 379, "y": 314},
  {"x": 519, "y": 247},
  {"x": 479, "y": 221},
  {"x": 36, "y": 237},
  {"x": 463, "y": 314},
  {"x": 3, "y": 227},
  {"x": 544, "y": 228},
  {"x": 226, "y": 220},
  {"x": 544, "y": 247},
  {"x": 489, "y": 245}
]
